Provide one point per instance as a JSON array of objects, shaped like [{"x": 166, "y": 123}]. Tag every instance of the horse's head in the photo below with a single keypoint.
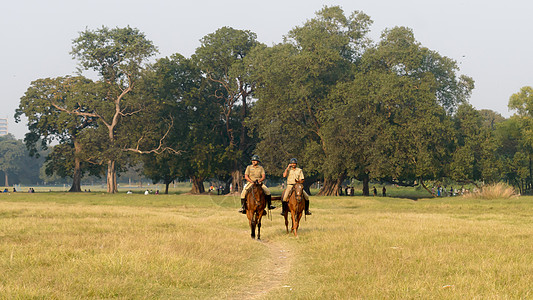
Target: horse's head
[
  {"x": 257, "y": 187},
  {"x": 298, "y": 190}
]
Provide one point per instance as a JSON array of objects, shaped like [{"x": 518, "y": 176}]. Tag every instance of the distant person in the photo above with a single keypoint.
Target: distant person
[
  {"x": 129, "y": 192},
  {"x": 14, "y": 190},
  {"x": 146, "y": 192},
  {"x": 384, "y": 191},
  {"x": 375, "y": 191},
  {"x": 6, "y": 191}
]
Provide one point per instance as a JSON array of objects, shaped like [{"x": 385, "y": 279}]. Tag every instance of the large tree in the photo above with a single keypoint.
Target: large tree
[
  {"x": 47, "y": 124},
  {"x": 222, "y": 57},
  {"x": 397, "y": 111},
  {"x": 474, "y": 156},
  {"x": 188, "y": 97},
  {"x": 11, "y": 154},
  {"x": 117, "y": 56},
  {"x": 519, "y": 142},
  {"x": 294, "y": 81}
]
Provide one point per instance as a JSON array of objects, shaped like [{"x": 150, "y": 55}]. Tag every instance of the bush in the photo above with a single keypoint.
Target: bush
[{"x": 493, "y": 191}]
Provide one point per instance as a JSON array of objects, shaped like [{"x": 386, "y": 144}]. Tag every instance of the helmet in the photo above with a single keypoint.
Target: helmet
[
  {"x": 255, "y": 157},
  {"x": 293, "y": 161}
]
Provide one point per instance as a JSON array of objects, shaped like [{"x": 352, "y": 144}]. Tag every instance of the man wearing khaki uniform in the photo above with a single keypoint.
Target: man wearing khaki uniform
[
  {"x": 255, "y": 172},
  {"x": 293, "y": 174}
]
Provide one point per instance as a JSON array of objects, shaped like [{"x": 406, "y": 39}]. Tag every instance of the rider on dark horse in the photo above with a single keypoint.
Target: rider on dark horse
[
  {"x": 255, "y": 172},
  {"x": 293, "y": 174}
]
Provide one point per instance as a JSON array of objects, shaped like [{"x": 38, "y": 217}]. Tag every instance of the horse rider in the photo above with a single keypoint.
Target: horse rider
[
  {"x": 293, "y": 174},
  {"x": 255, "y": 172}
]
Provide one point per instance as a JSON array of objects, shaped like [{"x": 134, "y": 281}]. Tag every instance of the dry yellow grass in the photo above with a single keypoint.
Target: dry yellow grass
[
  {"x": 493, "y": 191},
  {"x": 95, "y": 246}
]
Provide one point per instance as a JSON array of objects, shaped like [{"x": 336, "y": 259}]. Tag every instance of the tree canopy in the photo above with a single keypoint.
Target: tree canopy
[{"x": 346, "y": 106}]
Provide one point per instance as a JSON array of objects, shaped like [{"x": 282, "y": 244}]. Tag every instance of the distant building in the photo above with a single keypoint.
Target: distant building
[{"x": 3, "y": 127}]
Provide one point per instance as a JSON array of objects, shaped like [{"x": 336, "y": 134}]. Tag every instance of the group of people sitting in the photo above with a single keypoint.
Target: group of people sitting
[
  {"x": 256, "y": 172},
  {"x": 31, "y": 190}
]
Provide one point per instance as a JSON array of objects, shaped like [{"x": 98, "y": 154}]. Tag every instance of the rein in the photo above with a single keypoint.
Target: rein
[{"x": 253, "y": 195}]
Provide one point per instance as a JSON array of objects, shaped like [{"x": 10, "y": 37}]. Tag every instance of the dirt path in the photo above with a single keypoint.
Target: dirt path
[{"x": 275, "y": 275}]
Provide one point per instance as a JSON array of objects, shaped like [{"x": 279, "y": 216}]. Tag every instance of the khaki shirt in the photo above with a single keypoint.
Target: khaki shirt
[
  {"x": 294, "y": 175},
  {"x": 255, "y": 173}
]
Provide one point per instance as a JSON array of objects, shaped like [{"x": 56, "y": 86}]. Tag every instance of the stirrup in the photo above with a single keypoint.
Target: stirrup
[{"x": 308, "y": 213}]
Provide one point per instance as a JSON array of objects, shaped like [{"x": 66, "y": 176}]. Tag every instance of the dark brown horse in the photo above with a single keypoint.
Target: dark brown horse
[
  {"x": 255, "y": 207},
  {"x": 296, "y": 205}
]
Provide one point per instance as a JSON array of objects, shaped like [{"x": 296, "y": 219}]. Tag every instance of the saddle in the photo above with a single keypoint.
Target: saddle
[{"x": 288, "y": 195}]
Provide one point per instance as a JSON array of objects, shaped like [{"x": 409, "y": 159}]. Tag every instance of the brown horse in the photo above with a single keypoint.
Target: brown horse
[
  {"x": 255, "y": 207},
  {"x": 296, "y": 205}
]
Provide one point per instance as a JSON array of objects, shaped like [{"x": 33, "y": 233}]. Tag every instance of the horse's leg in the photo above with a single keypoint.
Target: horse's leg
[
  {"x": 294, "y": 222},
  {"x": 298, "y": 218},
  {"x": 259, "y": 226},
  {"x": 285, "y": 215},
  {"x": 252, "y": 225}
]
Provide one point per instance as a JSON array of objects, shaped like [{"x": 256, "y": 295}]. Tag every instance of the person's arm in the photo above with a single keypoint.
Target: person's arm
[
  {"x": 301, "y": 176},
  {"x": 247, "y": 178},
  {"x": 246, "y": 175},
  {"x": 286, "y": 172}
]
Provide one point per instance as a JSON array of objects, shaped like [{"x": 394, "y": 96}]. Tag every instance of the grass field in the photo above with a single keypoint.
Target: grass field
[{"x": 94, "y": 245}]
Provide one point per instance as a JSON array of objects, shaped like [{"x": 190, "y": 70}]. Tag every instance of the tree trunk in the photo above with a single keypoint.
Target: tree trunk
[
  {"x": 166, "y": 186},
  {"x": 197, "y": 185},
  {"x": 425, "y": 187},
  {"x": 7, "y": 181},
  {"x": 111, "y": 177},
  {"x": 331, "y": 186},
  {"x": 236, "y": 176},
  {"x": 366, "y": 187},
  {"x": 76, "y": 177}
]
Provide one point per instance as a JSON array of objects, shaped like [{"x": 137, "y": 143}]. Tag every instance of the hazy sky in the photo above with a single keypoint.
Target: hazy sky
[{"x": 491, "y": 40}]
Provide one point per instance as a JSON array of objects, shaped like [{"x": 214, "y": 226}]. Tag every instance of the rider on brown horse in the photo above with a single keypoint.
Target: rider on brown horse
[
  {"x": 255, "y": 172},
  {"x": 293, "y": 175}
]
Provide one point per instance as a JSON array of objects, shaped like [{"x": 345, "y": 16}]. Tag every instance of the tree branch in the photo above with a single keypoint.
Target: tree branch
[{"x": 160, "y": 149}]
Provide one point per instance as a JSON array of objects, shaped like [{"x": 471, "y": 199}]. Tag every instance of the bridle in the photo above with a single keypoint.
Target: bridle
[
  {"x": 298, "y": 190},
  {"x": 254, "y": 187}
]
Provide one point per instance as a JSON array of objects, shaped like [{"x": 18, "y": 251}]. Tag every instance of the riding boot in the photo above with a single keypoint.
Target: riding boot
[
  {"x": 284, "y": 207},
  {"x": 307, "y": 212},
  {"x": 243, "y": 208},
  {"x": 269, "y": 201}
]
